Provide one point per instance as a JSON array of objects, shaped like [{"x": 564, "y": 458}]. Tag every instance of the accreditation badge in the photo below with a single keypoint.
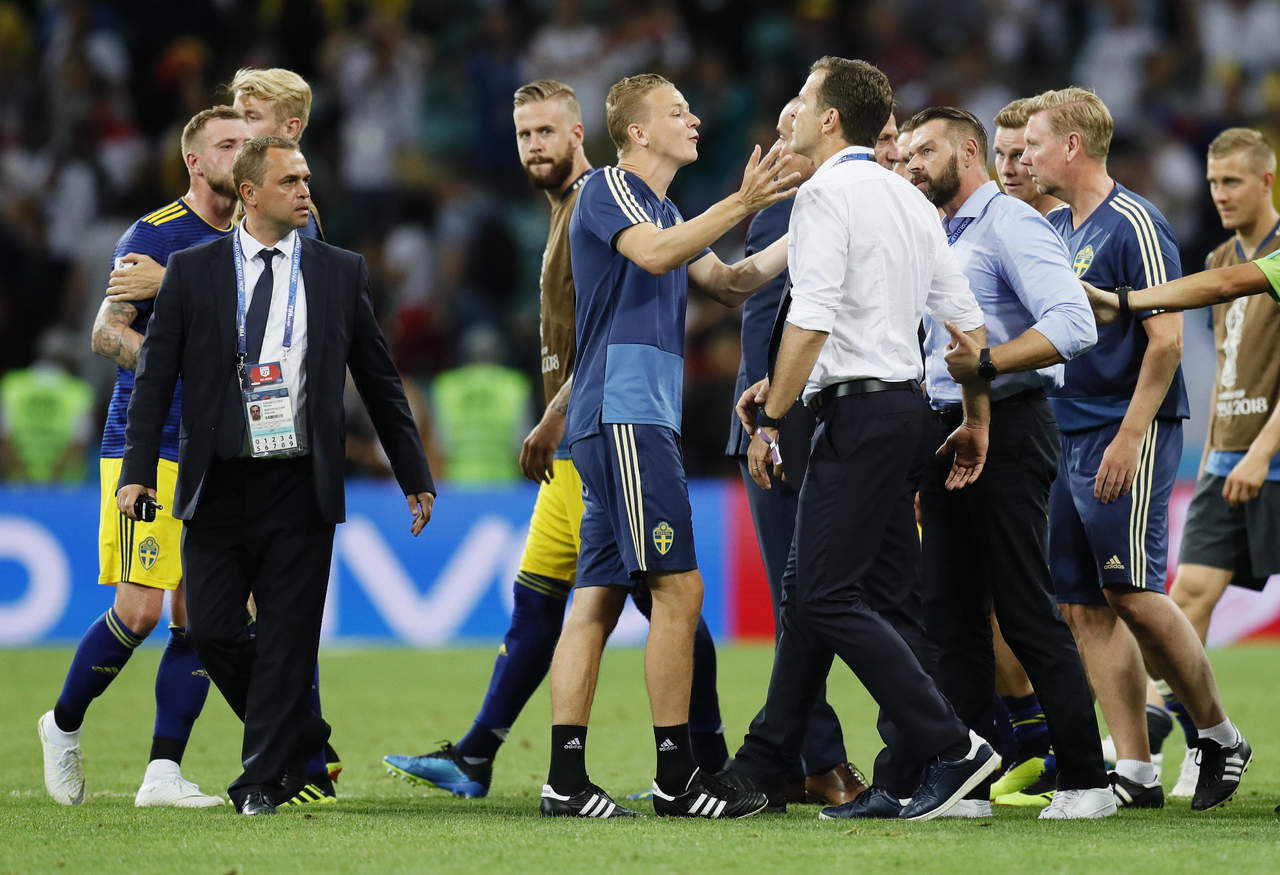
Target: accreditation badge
[{"x": 268, "y": 410}]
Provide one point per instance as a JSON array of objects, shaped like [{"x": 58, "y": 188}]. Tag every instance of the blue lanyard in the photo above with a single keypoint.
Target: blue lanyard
[
  {"x": 960, "y": 226},
  {"x": 855, "y": 156},
  {"x": 294, "y": 269}
]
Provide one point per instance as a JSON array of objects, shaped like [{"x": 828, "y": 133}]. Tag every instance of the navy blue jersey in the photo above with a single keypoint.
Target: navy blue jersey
[
  {"x": 758, "y": 314},
  {"x": 159, "y": 235},
  {"x": 1126, "y": 241},
  {"x": 629, "y": 324}
]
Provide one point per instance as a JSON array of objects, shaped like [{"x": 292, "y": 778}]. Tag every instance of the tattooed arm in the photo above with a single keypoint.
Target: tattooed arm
[{"x": 112, "y": 337}]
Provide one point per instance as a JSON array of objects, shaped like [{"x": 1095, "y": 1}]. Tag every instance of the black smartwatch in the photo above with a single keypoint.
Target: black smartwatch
[
  {"x": 764, "y": 420},
  {"x": 986, "y": 367}
]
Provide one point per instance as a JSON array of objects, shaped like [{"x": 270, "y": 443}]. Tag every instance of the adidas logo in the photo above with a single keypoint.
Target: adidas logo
[
  {"x": 107, "y": 669},
  {"x": 574, "y": 743},
  {"x": 667, "y": 746},
  {"x": 1113, "y": 564}
]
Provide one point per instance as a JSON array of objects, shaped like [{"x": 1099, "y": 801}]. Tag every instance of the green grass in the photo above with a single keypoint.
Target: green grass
[{"x": 402, "y": 701}]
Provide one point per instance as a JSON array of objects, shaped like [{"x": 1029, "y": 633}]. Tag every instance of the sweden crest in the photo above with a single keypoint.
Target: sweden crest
[
  {"x": 148, "y": 552},
  {"x": 663, "y": 536},
  {"x": 1083, "y": 259}
]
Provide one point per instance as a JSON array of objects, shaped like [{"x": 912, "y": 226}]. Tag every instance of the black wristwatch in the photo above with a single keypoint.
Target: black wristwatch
[
  {"x": 986, "y": 367},
  {"x": 764, "y": 420}
]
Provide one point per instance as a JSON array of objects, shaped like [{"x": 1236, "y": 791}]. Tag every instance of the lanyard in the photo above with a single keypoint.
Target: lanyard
[
  {"x": 855, "y": 156},
  {"x": 958, "y": 227},
  {"x": 238, "y": 254}
]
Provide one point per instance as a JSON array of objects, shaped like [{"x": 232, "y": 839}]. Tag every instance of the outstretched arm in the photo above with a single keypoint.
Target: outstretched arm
[{"x": 1202, "y": 289}]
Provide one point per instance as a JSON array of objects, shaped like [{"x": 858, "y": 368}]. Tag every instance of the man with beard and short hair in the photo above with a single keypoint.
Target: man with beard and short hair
[
  {"x": 549, "y": 135},
  {"x": 984, "y": 546},
  {"x": 141, "y": 559}
]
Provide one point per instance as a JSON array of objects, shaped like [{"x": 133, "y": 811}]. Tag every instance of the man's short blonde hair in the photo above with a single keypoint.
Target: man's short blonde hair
[
  {"x": 286, "y": 91},
  {"x": 1077, "y": 110},
  {"x": 624, "y": 106},
  {"x": 1254, "y": 146},
  {"x": 1015, "y": 114},
  {"x": 540, "y": 90},
  {"x": 191, "y": 132}
]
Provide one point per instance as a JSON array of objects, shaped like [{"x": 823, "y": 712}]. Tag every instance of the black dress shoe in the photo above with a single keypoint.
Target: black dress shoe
[
  {"x": 874, "y": 802},
  {"x": 257, "y": 802}
]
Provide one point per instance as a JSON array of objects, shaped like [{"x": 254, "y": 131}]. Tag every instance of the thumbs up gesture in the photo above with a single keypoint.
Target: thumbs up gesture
[{"x": 961, "y": 355}]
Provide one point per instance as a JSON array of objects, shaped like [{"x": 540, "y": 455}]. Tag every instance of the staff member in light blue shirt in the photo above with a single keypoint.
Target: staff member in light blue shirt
[{"x": 984, "y": 546}]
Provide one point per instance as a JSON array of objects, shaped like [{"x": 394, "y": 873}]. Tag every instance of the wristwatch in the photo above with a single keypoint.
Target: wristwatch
[
  {"x": 986, "y": 367},
  {"x": 764, "y": 420}
]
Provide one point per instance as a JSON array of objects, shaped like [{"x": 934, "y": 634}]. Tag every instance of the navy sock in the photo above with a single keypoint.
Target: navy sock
[
  {"x": 675, "y": 757},
  {"x": 182, "y": 685},
  {"x": 523, "y": 661},
  {"x": 1179, "y": 712},
  {"x": 104, "y": 649},
  {"x": 568, "y": 772},
  {"x": 1030, "y": 728}
]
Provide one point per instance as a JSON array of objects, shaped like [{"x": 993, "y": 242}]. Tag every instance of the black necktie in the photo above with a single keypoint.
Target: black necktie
[{"x": 255, "y": 324}]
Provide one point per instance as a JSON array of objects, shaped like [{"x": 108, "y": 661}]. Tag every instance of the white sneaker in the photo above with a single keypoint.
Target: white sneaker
[
  {"x": 63, "y": 762},
  {"x": 1080, "y": 804},
  {"x": 163, "y": 785},
  {"x": 1187, "y": 778},
  {"x": 972, "y": 808}
]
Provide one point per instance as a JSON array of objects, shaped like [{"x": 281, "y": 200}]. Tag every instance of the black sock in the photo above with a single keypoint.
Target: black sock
[
  {"x": 568, "y": 774},
  {"x": 675, "y": 757}
]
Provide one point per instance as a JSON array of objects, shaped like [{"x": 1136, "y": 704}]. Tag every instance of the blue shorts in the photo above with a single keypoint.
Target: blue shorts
[
  {"x": 636, "y": 517},
  {"x": 1122, "y": 544}
]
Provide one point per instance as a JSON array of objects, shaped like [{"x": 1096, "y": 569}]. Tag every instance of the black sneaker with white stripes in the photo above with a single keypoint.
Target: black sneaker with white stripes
[
  {"x": 589, "y": 802},
  {"x": 708, "y": 796},
  {"x": 1221, "y": 769},
  {"x": 1131, "y": 794}
]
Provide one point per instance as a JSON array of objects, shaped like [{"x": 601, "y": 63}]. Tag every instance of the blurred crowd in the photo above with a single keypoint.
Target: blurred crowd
[{"x": 412, "y": 149}]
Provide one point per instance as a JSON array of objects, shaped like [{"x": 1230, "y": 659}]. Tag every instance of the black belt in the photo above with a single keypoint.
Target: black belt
[
  {"x": 864, "y": 386},
  {"x": 1026, "y": 396}
]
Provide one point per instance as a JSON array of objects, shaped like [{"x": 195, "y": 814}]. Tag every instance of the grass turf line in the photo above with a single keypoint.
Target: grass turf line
[{"x": 402, "y": 701}]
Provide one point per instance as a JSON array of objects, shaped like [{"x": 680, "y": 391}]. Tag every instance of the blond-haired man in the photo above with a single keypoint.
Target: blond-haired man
[
  {"x": 634, "y": 258},
  {"x": 141, "y": 559},
  {"x": 1120, "y": 411},
  {"x": 1009, "y": 143}
]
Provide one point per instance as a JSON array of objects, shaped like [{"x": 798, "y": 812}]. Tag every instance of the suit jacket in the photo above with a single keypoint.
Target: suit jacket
[{"x": 192, "y": 335}]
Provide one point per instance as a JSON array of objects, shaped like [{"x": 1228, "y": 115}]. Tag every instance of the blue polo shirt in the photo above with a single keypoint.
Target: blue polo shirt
[
  {"x": 629, "y": 324},
  {"x": 1018, "y": 269},
  {"x": 1124, "y": 242}
]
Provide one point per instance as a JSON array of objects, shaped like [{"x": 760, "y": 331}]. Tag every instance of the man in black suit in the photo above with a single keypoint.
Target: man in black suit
[{"x": 265, "y": 317}]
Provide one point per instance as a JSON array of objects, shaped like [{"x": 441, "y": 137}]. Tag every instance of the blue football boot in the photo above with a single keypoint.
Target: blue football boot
[{"x": 445, "y": 768}]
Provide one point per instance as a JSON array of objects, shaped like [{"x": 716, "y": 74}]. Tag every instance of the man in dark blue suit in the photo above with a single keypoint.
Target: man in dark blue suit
[{"x": 821, "y": 772}]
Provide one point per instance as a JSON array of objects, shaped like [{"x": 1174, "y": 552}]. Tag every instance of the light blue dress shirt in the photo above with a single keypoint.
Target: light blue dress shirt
[{"x": 1019, "y": 271}]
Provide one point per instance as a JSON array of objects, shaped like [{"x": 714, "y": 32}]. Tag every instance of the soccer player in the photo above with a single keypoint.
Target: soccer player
[
  {"x": 549, "y": 136},
  {"x": 633, "y": 259},
  {"x": 1120, "y": 411},
  {"x": 276, "y": 103},
  {"x": 1008, "y": 144},
  {"x": 141, "y": 560}
]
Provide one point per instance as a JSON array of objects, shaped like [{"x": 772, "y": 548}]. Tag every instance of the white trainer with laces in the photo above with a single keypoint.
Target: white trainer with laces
[
  {"x": 63, "y": 761},
  {"x": 1088, "y": 804},
  {"x": 1187, "y": 778},
  {"x": 164, "y": 786},
  {"x": 971, "y": 808}
]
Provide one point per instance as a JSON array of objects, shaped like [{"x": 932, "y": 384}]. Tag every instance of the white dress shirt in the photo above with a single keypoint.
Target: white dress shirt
[
  {"x": 868, "y": 258},
  {"x": 294, "y": 365}
]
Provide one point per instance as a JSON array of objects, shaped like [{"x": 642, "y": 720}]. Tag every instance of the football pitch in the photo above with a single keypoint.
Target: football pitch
[{"x": 403, "y": 701}]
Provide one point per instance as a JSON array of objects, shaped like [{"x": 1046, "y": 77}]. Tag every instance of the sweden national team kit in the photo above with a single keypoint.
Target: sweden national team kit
[
  {"x": 624, "y": 421},
  {"x": 1124, "y": 242}
]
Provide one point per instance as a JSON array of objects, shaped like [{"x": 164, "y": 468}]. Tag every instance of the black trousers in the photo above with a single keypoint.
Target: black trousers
[
  {"x": 258, "y": 530},
  {"x": 774, "y": 513},
  {"x": 985, "y": 547},
  {"x": 852, "y": 590}
]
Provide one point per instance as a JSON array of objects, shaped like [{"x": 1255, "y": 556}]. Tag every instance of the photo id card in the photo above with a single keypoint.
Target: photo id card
[{"x": 269, "y": 412}]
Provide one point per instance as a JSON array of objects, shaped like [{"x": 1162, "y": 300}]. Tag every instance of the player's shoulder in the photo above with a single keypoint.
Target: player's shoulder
[
  {"x": 1138, "y": 216},
  {"x": 174, "y": 209}
]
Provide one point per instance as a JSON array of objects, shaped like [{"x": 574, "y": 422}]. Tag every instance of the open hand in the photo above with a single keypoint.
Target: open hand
[
  {"x": 137, "y": 278},
  {"x": 764, "y": 183},
  {"x": 969, "y": 443}
]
